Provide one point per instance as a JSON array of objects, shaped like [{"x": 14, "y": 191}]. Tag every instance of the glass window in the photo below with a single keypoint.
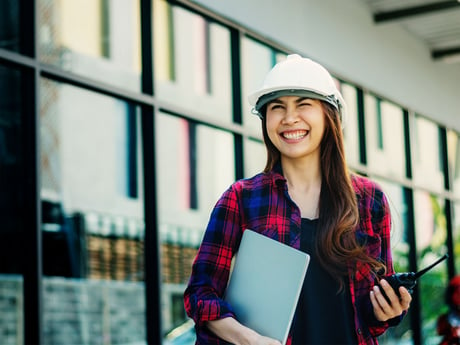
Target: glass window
[
  {"x": 255, "y": 157},
  {"x": 453, "y": 152},
  {"x": 426, "y": 162},
  {"x": 13, "y": 189},
  {"x": 456, "y": 235},
  {"x": 431, "y": 235},
  {"x": 94, "y": 38},
  {"x": 384, "y": 125},
  {"x": 9, "y": 25},
  {"x": 92, "y": 225},
  {"x": 256, "y": 61},
  {"x": 192, "y": 61},
  {"x": 196, "y": 164},
  {"x": 397, "y": 200},
  {"x": 350, "y": 130}
]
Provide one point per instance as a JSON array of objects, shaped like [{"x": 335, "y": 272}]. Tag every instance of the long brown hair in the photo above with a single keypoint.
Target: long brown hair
[{"x": 336, "y": 243}]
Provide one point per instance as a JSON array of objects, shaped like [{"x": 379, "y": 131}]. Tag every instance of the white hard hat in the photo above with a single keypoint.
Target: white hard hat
[{"x": 298, "y": 76}]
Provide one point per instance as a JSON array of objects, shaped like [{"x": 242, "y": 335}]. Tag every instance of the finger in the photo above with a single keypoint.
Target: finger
[
  {"x": 406, "y": 298},
  {"x": 390, "y": 293},
  {"x": 392, "y": 306},
  {"x": 380, "y": 293},
  {"x": 378, "y": 311}
]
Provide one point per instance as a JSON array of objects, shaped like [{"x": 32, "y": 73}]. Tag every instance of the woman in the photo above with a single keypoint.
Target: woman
[{"x": 306, "y": 198}]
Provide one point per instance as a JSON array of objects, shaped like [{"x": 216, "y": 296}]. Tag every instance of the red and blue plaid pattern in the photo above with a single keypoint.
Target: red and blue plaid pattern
[{"x": 262, "y": 204}]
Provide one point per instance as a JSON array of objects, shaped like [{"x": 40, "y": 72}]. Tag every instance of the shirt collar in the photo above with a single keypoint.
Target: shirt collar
[{"x": 277, "y": 175}]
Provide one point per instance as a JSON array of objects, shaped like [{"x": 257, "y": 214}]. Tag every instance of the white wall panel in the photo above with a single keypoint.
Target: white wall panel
[{"x": 342, "y": 36}]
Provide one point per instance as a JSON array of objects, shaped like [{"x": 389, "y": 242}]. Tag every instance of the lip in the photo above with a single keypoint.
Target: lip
[{"x": 294, "y": 135}]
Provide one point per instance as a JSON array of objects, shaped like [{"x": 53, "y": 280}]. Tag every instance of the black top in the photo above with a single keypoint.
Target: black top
[{"x": 323, "y": 316}]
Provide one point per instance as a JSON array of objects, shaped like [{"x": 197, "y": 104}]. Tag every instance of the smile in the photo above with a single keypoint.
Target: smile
[{"x": 294, "y": 135}]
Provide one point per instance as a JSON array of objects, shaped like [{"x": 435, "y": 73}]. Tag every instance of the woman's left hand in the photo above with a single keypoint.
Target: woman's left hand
[{"x": 382, "y": 309}]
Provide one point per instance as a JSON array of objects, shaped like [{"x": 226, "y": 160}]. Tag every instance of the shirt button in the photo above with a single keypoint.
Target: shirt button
[{"x": 359, "y": 331}]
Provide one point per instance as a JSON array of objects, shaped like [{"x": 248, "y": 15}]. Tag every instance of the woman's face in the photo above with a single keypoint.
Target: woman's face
[{"x": 295, "y": 126}]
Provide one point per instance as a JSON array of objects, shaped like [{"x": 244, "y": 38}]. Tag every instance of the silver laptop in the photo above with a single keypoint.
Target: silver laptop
[{"x": 265, "y": 284}]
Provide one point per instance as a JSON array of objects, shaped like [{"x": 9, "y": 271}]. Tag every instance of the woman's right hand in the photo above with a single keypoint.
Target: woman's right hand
[{"x": 234, "y": 332}]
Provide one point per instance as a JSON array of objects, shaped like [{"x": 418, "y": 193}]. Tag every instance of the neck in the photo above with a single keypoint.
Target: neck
[
  {"x": 304, "y": 187},
  {"x": 302, "y": 175}
]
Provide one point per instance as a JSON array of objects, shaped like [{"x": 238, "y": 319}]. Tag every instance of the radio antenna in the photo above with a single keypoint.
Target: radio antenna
[{"x": 426, "y": 269}]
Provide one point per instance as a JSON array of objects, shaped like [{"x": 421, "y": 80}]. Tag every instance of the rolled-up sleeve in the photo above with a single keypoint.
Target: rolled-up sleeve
[
  {"x": 203, "y": 297},
  {"x": 375, "y": 228}
]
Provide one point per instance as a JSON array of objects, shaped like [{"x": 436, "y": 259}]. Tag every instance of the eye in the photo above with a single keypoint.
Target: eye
[
  {"x": 275, "y": 106},
  {"x": 305, "y": 104}
]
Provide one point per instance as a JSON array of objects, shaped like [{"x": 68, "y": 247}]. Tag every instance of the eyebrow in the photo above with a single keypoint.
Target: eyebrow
[{"x": 298, "y": 100}]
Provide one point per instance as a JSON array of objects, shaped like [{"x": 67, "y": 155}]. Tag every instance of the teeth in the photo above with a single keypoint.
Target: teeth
[{"x": 295, "y": 134}]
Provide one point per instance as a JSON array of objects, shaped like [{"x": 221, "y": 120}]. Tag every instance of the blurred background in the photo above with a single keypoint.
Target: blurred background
[{"x": 123, "y": 121}]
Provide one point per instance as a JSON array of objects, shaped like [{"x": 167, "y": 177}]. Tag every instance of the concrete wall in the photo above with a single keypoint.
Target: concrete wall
[
  {"x": 77, "y": 312},
  {"x": 342, "y": 36}
]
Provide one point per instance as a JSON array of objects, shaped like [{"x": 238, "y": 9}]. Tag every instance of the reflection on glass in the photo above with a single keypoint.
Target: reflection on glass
[
  {"x": 196, "y": 164},
  {"x": 255, "y": 157},
  {"x": 192, "y": 61},
  {"x": 92, "y": 222},
  {"x": 9, "y": 25},
  {"x": 396, "y": 196},
  {"x": 384, "y": 137},
  {"x": 13, "y": 189},
  {"x": 96, "y": 39},
  {"x": 427, "y": 166},
  {"x": 456, "y": 235},
  {"x": 350, "y": 125},
  {"x": 453, "y": 152},
  {"x": 431, "y": 234},
  {"x": 256, "y": 60}
]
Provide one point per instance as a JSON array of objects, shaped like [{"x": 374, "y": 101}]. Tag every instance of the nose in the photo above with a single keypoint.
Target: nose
[{"x": 291, "y": 116}]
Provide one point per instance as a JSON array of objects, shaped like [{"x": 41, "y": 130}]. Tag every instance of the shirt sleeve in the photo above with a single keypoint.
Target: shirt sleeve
[
  {"x": 380, "y": 222},
  {"x": 203, "y": 297}
]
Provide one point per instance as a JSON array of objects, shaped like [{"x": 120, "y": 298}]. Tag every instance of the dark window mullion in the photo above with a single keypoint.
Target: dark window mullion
[
  {"x": 193, "y": 165},
  {"x": 379, "y": 128},
  {"x": 235, "y": 43},
  {"x": 407, "y": 143},
  {"x": 361, "y": 126},
  {"x": 443, "y": 156},
  {"x": 32, "y": 262},
  {"x": 450, "y": 238},
  {"x": 411, "y": 239},
  {"x": 131, "y": 151},
  {"x": 151, "y": 234},
  {"x": 146, "y": 47}
]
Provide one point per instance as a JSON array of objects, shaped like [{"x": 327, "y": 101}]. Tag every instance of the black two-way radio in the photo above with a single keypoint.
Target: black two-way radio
[{"x": 407, "y": 279}]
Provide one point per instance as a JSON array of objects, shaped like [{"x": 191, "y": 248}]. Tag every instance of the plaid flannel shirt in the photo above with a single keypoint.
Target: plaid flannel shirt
[{"x": 262, "y": 203}]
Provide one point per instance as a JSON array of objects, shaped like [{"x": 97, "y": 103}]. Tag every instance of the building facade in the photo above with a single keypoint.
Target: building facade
[{"x": 123, "y": 121}]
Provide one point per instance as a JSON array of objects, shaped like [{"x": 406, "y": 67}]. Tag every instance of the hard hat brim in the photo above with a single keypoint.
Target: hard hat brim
[
  {"x": 254, "y": 97},
  {"x": 267, "y": 97},
  {"x": 262, "y": 97}
]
